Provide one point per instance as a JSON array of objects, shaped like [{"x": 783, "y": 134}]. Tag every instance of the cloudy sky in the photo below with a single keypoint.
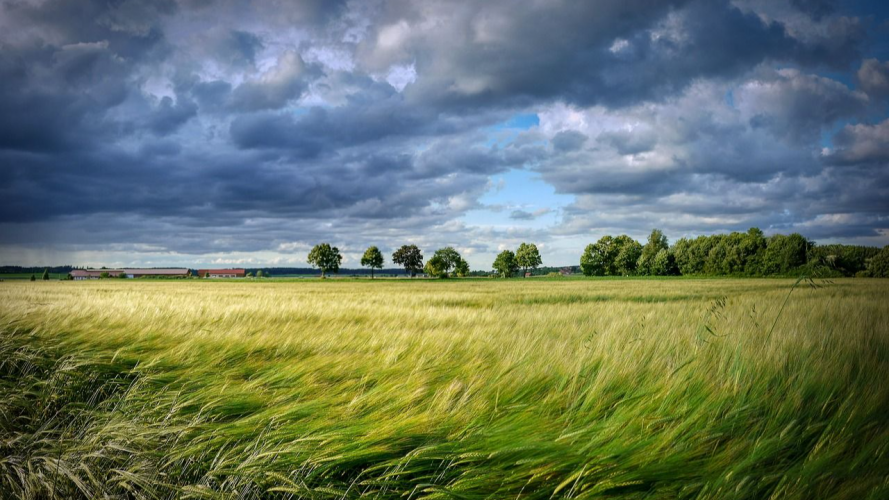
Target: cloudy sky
[{"x": 199, "y": 132}]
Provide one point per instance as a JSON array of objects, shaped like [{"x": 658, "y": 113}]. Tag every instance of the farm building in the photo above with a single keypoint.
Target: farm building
[
  {"x": 157, "y": 273},
  {"x": 222, "y": 273},
  {"x": 94, "y": 274}
]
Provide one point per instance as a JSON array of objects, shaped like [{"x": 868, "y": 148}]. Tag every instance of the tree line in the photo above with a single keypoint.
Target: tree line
[
  {"x": 750, "y": 253},
  {"x": 445, "y": 262},
  {"x": 735, "y": 254}
]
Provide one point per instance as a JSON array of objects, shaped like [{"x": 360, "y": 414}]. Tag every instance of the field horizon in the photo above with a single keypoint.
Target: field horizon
[{"x": 529, "y": 388}]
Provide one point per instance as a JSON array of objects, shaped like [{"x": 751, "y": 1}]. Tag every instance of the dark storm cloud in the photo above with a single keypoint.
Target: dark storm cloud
[
  {"x": 169, "y": 116},
  {"x": 797, "y": 105},
  {"x": 568, "y": 140},
  {"x": 873, "y": 77},
  {"x": 611, "y": 52},
  {"x": 161, "y": 125},
  {"x": 862, "y": 144}
]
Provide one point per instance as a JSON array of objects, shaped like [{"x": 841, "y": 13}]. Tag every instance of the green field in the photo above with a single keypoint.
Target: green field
[
  {"x": 449, "y": 389},
  {"x": 27, "y": 276}
]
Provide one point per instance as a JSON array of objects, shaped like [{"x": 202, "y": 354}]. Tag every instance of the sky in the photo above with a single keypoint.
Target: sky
[{"x": 236, "y": 133}]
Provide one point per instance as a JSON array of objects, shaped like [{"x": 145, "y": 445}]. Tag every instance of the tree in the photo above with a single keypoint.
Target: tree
[
  {"x": 104, "y": 274},
  {"x": 598, "y": 257},
  {"x": 410, "y": 257},
  {"x": 207, "y": 274},
  {"x": 259, "y": 273},
  {"x": 449, "y": 257},
  {"x": 527, "y": 257},
  {"x": 847, "y": 259},
  {"x": 462, "y": 268},
  {"x": 663, "y": 264},
  {"x": 785, "y": 253},
  {"x": 879, "y": 264},
  {"x": 436, "y": 267},
  {"x": 33, "y": 278},
  {"x": 656, "y": 242},
  {"x": 505, "y": 264},
  {"x": 373, "y": 259},
  {"x": 326, "y": 258},
  {"x": 248, "y": 275},
  {"x": 611, "y": 256},
  {"x": 691, "y": 255},
  {"x": 122, "y": 276},
  {"x": 628, "y": 253},
  {"x": 46, "y": 275}
]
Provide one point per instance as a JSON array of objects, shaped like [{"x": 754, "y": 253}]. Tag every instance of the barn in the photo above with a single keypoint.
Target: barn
[
  {"x": 222, "y": 273},
  {"x": 93, "y": 274},
  {"x": 156, "y": 273}
]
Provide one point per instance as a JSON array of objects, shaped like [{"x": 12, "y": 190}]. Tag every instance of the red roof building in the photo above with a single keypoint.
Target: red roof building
[{"x": 221, "y": 273}]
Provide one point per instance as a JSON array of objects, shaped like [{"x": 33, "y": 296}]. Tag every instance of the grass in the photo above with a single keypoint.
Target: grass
[
  {"x": 27, "y": 276},
  {"x": 453, "y": 389}
]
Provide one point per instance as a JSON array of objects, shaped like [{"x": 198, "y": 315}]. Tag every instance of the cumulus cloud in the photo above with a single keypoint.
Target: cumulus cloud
[
  {"x": 795, "y": 104},
  {"x": 176, "y": 129},
  {"x": 873, "y": 76},
  {"x": 862, "y": 144}
]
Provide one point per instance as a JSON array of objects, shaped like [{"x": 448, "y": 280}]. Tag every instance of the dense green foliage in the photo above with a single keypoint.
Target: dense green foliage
[
  {"x": 847, "y": 260},
  {"x": 325, "y": 257},
  {"x": 410, "y": 257},
  {"x": 879, "y": 265},
  {"x": 462, "y": 268},
  {"x": 436, "y": 267},
  {"x": 505, "y": 264},
  {"x": 646, "y": 265},
  {"x": 469, "y": 389},
  {"x": 373, "y": 259},
  {"x": 733, "y": 254},
  {"x": 611, "y": 257},
  {"x": 528, "y": 257},
  {"x": 446, "y": 262}
]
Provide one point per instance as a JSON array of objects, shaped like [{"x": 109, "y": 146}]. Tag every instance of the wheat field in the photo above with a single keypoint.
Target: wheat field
[{"x": 469, "y": 389}]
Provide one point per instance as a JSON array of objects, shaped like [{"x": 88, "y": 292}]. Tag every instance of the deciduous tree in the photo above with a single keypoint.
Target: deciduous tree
[
  {"x": 611, "y": 256},
  {"x": 879, "y": 264},
  {"x": 325, "y": 257},
  {"x": 462, "y": 268},
  {"x": 528, "y": 257},
  {"x": 656, "y": 242},
  {"x": 436, "y": 267},
  {"x": 410, "y": 257},
  {"x": 373, "y": 259},
  {"x": 449, "y": 257},
  {"x": 505, "y": 264}
]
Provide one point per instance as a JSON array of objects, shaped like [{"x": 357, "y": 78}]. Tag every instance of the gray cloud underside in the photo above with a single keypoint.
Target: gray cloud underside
[{"x": 169, "y": 125}]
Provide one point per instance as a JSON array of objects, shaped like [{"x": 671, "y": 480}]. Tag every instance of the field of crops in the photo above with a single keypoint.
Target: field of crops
[{"x": 445, "y": 389}]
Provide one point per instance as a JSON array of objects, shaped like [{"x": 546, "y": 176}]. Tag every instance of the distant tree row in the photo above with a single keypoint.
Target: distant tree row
[
  {"x": 734, "y": 254},
  {"x": 444, "y": 263}
]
